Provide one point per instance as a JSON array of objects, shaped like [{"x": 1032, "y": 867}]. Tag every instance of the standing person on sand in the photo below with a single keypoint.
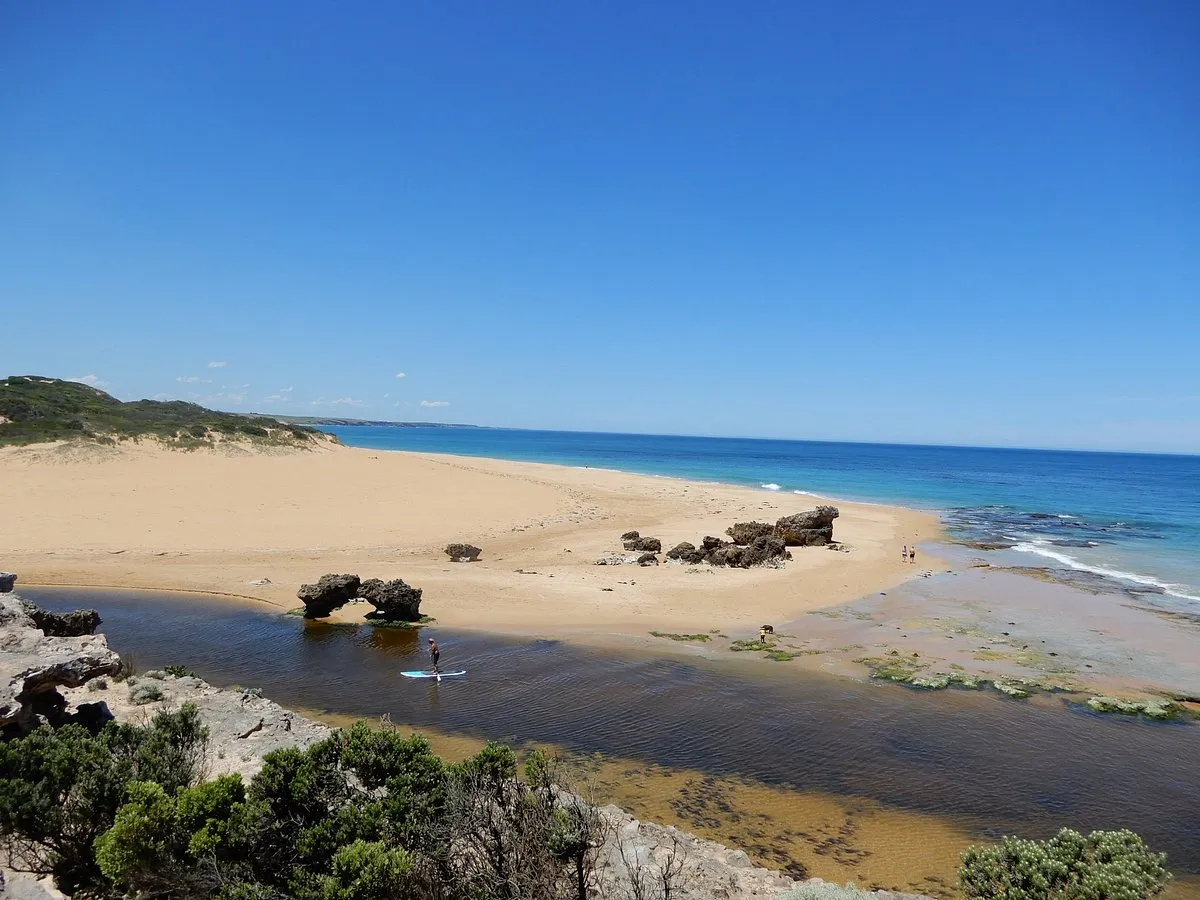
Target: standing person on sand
[
  {"x": 904, "y": 553},
  {"x": 912, "y": 554},
  {"x": 434, "y": 654}
]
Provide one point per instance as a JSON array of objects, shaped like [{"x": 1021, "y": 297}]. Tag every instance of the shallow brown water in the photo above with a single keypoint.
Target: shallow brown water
[{"x": 848, "y": 779}]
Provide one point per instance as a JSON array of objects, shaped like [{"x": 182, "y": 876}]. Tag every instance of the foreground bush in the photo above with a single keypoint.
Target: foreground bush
[
  {"x": 362, "y": 815},
  {"x": 1105, "y": 865},
  {"x": 61, "y": 789}
]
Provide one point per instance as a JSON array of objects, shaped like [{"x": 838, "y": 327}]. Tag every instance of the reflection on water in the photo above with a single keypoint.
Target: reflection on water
[{"x": 988, "y": 766}]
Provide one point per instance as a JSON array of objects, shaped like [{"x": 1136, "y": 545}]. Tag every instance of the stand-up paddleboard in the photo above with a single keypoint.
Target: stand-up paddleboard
[{"x": 431, "y": 674}]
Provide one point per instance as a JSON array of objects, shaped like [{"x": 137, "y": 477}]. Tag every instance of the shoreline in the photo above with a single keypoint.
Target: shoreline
[
  {"x": 582, "y": 511},
  {"x": 542, "y": 526}
]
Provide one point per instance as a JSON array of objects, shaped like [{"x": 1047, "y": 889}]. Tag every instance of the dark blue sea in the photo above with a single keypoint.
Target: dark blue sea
[{"x": 1131, "y": 517}]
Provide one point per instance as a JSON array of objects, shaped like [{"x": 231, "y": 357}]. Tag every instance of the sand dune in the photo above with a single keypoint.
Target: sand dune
[{"x": 142, "y": 516}]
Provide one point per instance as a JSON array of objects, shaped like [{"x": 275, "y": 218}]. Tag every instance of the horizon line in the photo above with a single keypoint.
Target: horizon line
[{"x": 385, "y": 423}]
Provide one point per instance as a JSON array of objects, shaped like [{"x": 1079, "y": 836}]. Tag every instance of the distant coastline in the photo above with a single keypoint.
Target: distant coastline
[{"x": 374, "y": 423}]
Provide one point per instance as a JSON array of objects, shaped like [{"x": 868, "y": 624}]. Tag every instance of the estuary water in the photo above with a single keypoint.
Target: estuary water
[
  {"x": 991, "y": 765},
  {"x": 1132, "y": 517}
]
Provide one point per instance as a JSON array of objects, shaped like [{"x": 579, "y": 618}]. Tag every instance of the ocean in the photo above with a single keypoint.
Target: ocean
[{"x": 1131, "y": 517}]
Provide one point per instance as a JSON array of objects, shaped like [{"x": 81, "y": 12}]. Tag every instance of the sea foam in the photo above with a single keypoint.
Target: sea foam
[
  {"x": 1041, "y": 549},
  {"x": 770, "y": 486}
]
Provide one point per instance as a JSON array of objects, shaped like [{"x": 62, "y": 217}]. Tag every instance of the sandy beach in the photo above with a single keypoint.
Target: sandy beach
[{"x": 144, "y": 517}]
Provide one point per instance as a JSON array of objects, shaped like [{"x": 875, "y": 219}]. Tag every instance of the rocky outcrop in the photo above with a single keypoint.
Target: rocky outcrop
[
  {"x": 641, "y": 544},
  {"x": 394, "y": 601},
  {"x": 764, "y": 550},
  {"x": 686, "y": 553},
  {"x": 34, "y": 665},
  {"x": 630, "y": 536},
  {"x": 72, "y": 624},
  {"x": 330, "y": 592},
  {"x": 463, "y": 552},
  {"x": 647, "y": 559},
  {"x": 746, "y": 532},
  {"x": 807, "y": 529},
  {"x": 7, "y": 580}
]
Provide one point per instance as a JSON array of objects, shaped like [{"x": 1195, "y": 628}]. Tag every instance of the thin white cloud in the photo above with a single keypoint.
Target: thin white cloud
[
  {"x": 434, "y": 404},
  {"x": 90, "y": 381},
  {"x": 275, "y": 398},
  {"x": 162, "y": 397},
  {"x": 193, "y": 379},
  {"x": 286, "y": 390},
  {"x": 386, "y": 396},
  {"x": 401, "y": 374},
  {"x": 217, "y": 364},
  {"x": 341, "y": 401}
]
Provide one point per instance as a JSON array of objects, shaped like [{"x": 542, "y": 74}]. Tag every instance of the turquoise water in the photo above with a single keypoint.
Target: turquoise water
[{"x": 1131, "y": 517}]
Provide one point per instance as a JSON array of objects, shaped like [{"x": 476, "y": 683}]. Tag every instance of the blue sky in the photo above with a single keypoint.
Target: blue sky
[{"x": 927, "y": 222}]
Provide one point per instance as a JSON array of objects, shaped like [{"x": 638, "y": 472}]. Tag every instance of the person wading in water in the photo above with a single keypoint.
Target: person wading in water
[{"x": 434, "y": 654}]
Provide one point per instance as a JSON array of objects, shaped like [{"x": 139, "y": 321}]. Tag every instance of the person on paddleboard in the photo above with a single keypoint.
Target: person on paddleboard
[{"x": 434, "y": 654}]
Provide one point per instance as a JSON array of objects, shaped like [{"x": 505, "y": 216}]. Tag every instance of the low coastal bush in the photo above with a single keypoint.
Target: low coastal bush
[
  {"x": 826, "y": 892},
  {"x": 143, "y": 692},
  {"x": 1104, "y": 865},
  {"x": 60, "y": 790},
  {"x": 362, "y": 815}
]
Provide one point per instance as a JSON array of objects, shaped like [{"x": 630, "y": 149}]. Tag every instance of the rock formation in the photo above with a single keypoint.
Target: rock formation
[
  {"x": 807, "y": 529},
  {"x": 394, "y": 601},
  {"x": 330, "y": 592},
  {"x": 7, "y": 580},
  {"x": 643, "y": 544},
  {"x": 34, "y": 665},
  {"x": 462, "y": 552},
  {"x": 630, "y": 536},
  {"x": 746, "y": 532},
  {"x": 686, "y": 553},
  {"x": 647, "y": 559},
  {"x": 72, "y": 624}
]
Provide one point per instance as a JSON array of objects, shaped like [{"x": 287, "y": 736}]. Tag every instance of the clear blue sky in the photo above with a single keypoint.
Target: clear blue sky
[{"x": 940, "y": 222}]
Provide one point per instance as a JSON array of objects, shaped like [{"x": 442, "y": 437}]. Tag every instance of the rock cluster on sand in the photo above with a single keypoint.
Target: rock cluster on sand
[
  {"x": 462, "y": 552},
  {"x": 7, "y": 580},
  {"x": 394, "y": 601},
  {"x": 34, "y": 665},
  {"x": 631, "y": 540},
  {"x": 807, "y": 529},
  {"x": 751, "y": 543}
]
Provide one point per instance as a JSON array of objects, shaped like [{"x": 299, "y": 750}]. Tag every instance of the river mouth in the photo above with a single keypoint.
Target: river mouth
[{"x": 843, "y": 778}]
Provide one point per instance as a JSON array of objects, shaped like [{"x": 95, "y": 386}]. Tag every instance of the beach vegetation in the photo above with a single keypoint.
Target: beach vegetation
[
  {"x": 143, "y": 692},
  {"x": 682, "y": 637},
  {"x": 60, "y": 790},
  {"x": 40, "y": 410},
  {"x": 178, "y": 671},
  {"x": 827, "y": 891},
  {"x": 1104, "y": 865},
  {"x": 363, "y": 815}
]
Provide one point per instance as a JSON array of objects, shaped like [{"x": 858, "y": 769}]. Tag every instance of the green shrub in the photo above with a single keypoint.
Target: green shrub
[
  {"x": 198, "y": 431},
  {"x": 826, "y": 892},
  {"x": 143, "y": 692},
  {"x": 368, "y": 871},
  {"x": 162, "y": 844},
  {"x": 253, "y": 430},
  {"x": 177, "y": 671},
  {"x": 1105, "y": 865},
  {"x": 61, "y": 789}
]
